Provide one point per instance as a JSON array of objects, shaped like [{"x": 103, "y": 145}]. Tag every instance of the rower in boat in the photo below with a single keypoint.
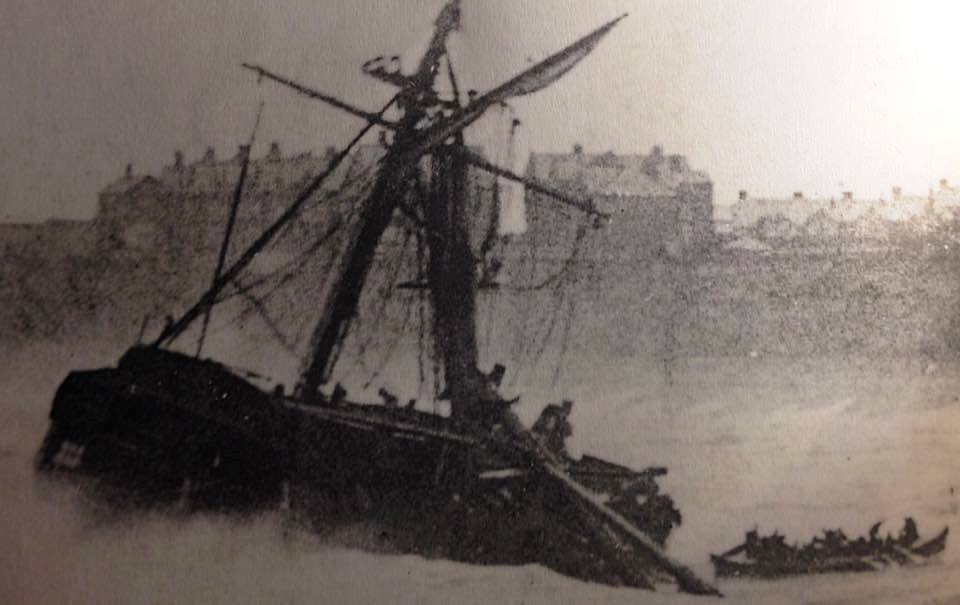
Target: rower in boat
[{"x": 909, "y": 534}]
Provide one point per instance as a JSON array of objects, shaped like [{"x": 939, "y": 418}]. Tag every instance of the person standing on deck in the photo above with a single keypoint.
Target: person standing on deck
[
  {"x": 553, "y": 427},
  {"x": 489, "y": 408}
]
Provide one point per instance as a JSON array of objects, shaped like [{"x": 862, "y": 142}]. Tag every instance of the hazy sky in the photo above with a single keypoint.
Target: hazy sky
[{"x": 771, "y": 96}]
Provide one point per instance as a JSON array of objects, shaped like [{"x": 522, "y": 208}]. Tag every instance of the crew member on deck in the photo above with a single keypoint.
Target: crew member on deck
[
  {"x": 487, "y": 406},
  {"x": 495, "y": 377},
  {"x": 338, "y": 396},
  {"x": 389, "y": 399},
  {"x": 553, "y": 426}
]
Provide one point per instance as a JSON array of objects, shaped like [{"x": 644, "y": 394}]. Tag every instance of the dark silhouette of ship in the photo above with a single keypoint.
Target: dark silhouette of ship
[{"x": 164, "y": 428}]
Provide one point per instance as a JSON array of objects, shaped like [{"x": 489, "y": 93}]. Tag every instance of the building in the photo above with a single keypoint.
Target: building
[
  {"x": 802, "y": 216},
  {"x": 186, "y": 206},
  {"x": 946, "y": 199},
  {"x": 654, "y": 202},
  {"x": 53, "y": 237},
  {"x": 181, "y": 214}
]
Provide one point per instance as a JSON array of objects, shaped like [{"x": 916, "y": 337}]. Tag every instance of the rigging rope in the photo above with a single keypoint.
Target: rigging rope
[
  {"x": 281, "y": 277},
  {"x": 177, "y": 327},
  {"x": 564, "y": 340},
  {"x": 289, "y": 270},
  {"x": 386, "y": 296},
  {"x": 401, "y": 332},
  {"x": 273, "y": 327},
  {"x": 565, "y": 267},
  {"x": 421, "y": 314},
  {"x": 231, "y": 222},
  {"x": 547, "y": 321}
]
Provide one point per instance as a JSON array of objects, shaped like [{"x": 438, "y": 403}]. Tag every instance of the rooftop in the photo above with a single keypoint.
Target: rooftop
[{"x": 610, "y": 174}]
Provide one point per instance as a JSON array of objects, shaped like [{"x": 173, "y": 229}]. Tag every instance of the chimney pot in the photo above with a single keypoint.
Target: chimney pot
[
  {"x": 577, "y": 149},
  {"x": 743, "y": 195},
  {"x": 209, "y": 156},
  {"x": 274, "y": 153},
  {"x": 897, "y": 192},
  {"x": 944, "y": 183},
  {"x": 178, "y": 159},
  {"x": 798, "y": 195},
  {"x": 128, "y": 172},
  {"x": 848, "y": 195},
  {"x": 677, "y": 163}
]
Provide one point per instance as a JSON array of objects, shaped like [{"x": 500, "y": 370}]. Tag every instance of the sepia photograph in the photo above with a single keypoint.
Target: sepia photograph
[{"x": 479, "y": 301}]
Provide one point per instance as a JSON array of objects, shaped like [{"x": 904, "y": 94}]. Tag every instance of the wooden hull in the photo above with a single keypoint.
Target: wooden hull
[
  {"x": 166, "y": 430},
  {"x": 934, "y": 546}
]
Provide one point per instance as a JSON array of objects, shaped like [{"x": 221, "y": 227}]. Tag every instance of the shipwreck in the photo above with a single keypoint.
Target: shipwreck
[{"x": 167, "y": 428}]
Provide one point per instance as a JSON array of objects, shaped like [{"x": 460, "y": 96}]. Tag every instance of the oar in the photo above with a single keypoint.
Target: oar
[{"x": 736, "y": 550}]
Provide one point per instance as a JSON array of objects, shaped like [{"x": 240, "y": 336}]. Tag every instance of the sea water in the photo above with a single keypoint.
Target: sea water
[{"x": 795, "y": 445}]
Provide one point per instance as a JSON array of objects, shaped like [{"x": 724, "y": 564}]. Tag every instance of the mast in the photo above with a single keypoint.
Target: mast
[
  {"x": 341, "y": 306},
  {"x": 429, "y": 125},
  {"x": 452, "y": 275},
  {"x": 416, "y": 97},
  {"x": 209, "y": 298},
  {"x": 231, "y": 221},
  {"x": 435, "y": 126}
]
